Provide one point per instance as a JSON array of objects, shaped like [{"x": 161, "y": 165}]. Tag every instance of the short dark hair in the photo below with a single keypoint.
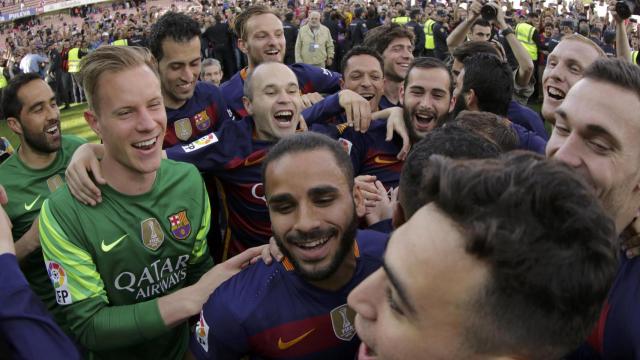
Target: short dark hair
[
  {"x": 480, "y": 22},
  {"x": 429, "y": 63},
  {"x": 615, "y": 72},
  {"x": 491, "y": 80},
  {"x": 11, "y": 104},
  {"x": 380, "y": 37},
  {"x": 305, "y": 142},
  {"x": 524, "y": 216},
  {"x": 453, "y": 142},
  {"x": 360, "y": 50},
  {"x": 491, "y": 126},
  {"x": 471, "y": 48},
  {"x": 176, "y": 26}
]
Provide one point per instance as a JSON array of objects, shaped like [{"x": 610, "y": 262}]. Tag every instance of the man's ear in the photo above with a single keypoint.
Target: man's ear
[
  {"x": 401, "y": 98},
  {"x": 15, "y": 125},
  {"x": 358, "y": 200},
  {"x": 452, "y": 104},
  {"x": 341, "y": 84},
  {"x": 472, "y": 100},
  {"x": 91, "y": 119},
  {"x": 247, "y": 105},
  {"x": 397, "y": 219}
]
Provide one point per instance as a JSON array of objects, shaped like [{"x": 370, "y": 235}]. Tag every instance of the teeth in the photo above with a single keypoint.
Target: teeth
[
  {"x": 555, "y": 92},
  {"x": 284, "y": 113},
  {"x": 313, "y": 244},
  {"x": 146, "y": 143},
  {"x": 272, "y": 52},
  {"x": 422, "y": 118},
  {"x": 52, "y": 129},
  {"x": 367, "y": 96}
]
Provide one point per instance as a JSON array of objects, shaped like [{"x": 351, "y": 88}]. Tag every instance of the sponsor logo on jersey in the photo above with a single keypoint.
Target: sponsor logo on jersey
[
  {"x": 180, "y": 225},
  {"x": 208, "y": 139},
  {"x": 183, "y": 129},
  {"x": 152, "y": 234},
  {"x": 59, "y": 280},
  {"x": 54, "y": 182},
  {"x": 346, "y": 145},
  {"x": 202, "y": 120},
  {"x": 385, "y": 160},
  {"x": 342, "y": 320},
  {"x": 28, "y": 207},
  {"x": 257, "y": 191},
  {"x": 284, "y": 345},
  {"x": 155, "y": 279},
  {"x": 202, "y": 332},
  {"x": 106, "y": 248}
]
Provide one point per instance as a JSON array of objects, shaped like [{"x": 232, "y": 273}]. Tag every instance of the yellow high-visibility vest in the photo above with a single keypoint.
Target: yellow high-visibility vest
[
  {"x": 400, "y": 20},
  {"x": 634, "y": 57},
  {"x": 3, "y": 80},
  {"x": 121, "y": 42},
  {"x": 429, "y": 41},
  {"x": 524, "y": 34},
  {"x": 74, "y": 60}
]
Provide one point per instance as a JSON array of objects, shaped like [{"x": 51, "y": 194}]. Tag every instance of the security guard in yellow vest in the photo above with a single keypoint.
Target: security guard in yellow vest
[
  {"x": 526, "y": 34},
  {"x": 74, "y": 60},
  {"x": 120, "y": 42},
  {"x": 634, "y": 57},
  {"x": 3, "y": 79},
  {"x": 429, "y": 41},
  {"x": 402, "y": 18}
]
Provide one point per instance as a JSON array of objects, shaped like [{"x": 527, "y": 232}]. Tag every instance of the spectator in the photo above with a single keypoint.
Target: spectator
[{"x": 314, "y": 45}]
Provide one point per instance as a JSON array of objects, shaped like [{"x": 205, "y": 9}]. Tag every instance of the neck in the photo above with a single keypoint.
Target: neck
[
  {"x": 341, "y": 277},
  {"x": 172, "y": 103},
  {"x": 125, "y": 180},
  {"x": 35, "y": 159},
  {"x": 392, "y": 90}
]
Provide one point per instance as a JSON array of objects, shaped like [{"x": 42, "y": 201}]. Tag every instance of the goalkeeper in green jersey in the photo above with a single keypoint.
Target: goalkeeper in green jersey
[
  {"x": 126, "y": 272},
  {"x": 34, "y": 171}
]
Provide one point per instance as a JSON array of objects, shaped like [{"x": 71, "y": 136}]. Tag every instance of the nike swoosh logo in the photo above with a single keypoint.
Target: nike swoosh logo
[
  {"x": 30, "y": 206},
  {"x": 383, "y": 160},
  {"x": 284, "y": 345},
  {"x": 107, "y": 248}
]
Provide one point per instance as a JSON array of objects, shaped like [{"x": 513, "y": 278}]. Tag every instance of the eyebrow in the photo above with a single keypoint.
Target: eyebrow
[
  {"x": 400, "y": 289},
  {"x": 39, "y": 103},
  {"x": 594, "y": 130},
  {"x": 322, "y": 190},
  {"x": 279, "y": 198}
]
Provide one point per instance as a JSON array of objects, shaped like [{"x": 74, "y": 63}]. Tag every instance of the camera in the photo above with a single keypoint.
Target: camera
[
  {"x": 626, "y": 8},
  {"x": 488, "y": 12}
]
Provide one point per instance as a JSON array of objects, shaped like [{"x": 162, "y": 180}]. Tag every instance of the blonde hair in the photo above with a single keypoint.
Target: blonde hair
[
  {"x": 111, "y": 59},
  {"x": 587, "y": 41}
]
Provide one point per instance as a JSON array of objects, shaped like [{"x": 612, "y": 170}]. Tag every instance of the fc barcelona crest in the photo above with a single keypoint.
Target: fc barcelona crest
[
  {"x": 342, "y": 320},
  {"x": 180, "y": 225},
  {"x": 183, "y": 129},
  {"x": 202, "y": 120},
  {"x": 152, "y": 234},
  {"x": 54, "y": 182}
]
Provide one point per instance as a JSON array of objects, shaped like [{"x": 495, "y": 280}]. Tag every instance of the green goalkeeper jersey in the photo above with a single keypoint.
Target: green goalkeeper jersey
[
  {"x": 110, "y": 263},
  {"x": 27, "y": 189}
]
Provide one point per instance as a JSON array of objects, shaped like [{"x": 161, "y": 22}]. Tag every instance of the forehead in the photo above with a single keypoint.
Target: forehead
[
  {"x": 274, "y": 74},
  {"x": 125, "y": 88},
  {"x": 435, "y": 78},
  {"x": 399, "y": 41},
  {"x": 574, "y": 50},
  {"x": 175, "y": 51},
  {"x": 427, "y": 254},
  {"x": 212, "y": 68},
  {"x": 617, "y": 112},
  {"x": 33, "y": 92},
  {"x": 304, "y": 170},
  {"x": 364, "y": 63},
  {"x": 263, "y": 22},
  {"x": 480, "y": 28}
]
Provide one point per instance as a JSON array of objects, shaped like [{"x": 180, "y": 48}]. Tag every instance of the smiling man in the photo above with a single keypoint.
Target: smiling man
[
  {"x": 34, "y": 171},
  {"x": 297, "y": 308},
  {"x": 395, "y": 43},
  {"x": 125, "y": 271},
  {"x": 494, "y": 235},
  {"x": 261, "y": 37}
]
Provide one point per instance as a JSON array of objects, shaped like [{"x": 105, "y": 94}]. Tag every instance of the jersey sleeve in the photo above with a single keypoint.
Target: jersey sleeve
[
  {"x": 213, "y": 151},
  {"x": 24, "y": 322},
  {"x": 316, "y": 79},
  {"x": 323, "y": 110},
  {"x": 219, "y": 333},
  {"x": 200, "y": 261},
  {"x": 80, "y": 292}
]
